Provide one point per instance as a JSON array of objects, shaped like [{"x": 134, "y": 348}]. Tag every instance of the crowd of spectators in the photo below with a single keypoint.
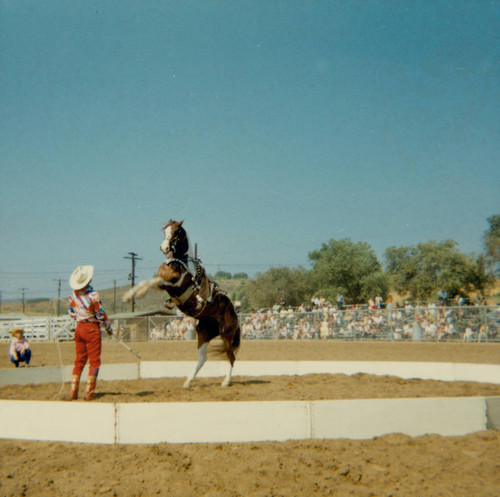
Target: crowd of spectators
[
  {"x": 177, "y": 328},
  {"x": 408, "y": 322}
]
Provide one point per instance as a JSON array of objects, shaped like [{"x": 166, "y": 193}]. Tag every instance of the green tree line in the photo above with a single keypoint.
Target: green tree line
[{"x": 353, "y": 270}]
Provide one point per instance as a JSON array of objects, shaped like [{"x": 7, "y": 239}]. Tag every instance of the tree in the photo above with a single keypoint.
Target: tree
[
  {"x": 240, "y": 276},
  {"x": 270, "y": 287},
  {"x": 222, "y": 275},
  {"x": 342, "y": 266},
  {"x": 420, "y": 271},
  {"x": 492, "y": 243},
  {"x": 243, "y": 299},
  {"x": 240, "y": 293},
  {"x": 479, "y": 279}
]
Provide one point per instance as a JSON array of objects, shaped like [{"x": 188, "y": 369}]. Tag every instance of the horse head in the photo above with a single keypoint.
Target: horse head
[{"x": 176, "y": 239}]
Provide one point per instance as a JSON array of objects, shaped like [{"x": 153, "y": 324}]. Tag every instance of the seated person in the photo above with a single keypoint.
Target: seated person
[{"x": 19, "y": 349}]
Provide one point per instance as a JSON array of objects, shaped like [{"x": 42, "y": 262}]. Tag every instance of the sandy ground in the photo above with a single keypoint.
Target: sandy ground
[
  {"x": 47, "y": 353},
  {"x": 393, "y": 465}
]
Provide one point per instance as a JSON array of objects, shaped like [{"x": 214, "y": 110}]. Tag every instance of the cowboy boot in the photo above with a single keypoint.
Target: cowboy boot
[
  {"x": 90, "y": 387},
  {"x": 75, "y": 383}
]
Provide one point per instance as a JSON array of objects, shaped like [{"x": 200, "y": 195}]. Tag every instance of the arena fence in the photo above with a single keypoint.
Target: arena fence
[
  {"x": 431, "y": 323},
  {"x": 480, "y": 324},
  {"x": 39, "y": 329}
]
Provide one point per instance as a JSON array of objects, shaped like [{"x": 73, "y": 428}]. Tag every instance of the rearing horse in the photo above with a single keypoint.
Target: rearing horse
[{"x": 188, "y": 287}]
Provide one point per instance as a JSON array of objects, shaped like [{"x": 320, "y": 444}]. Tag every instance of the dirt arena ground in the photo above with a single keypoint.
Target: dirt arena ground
[{"x": 393, "y": 465}]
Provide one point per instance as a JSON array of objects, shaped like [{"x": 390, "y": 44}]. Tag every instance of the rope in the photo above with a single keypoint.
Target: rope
[
  {"x": 62, "y": 372},
  {"x": 129, "y": 349},
  {"x": 58, "y": 395}
]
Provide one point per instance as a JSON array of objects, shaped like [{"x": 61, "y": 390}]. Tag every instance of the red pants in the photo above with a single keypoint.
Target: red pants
[{"x": 87, "y": 346}]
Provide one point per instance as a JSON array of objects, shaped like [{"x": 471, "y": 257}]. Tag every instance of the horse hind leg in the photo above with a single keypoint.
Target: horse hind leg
[
  {"x": 230, "y": 355},
  {"x": 231, "y": 340},
  {"x": 202, "y": 359},
  {"x": 231, "y": 343}
]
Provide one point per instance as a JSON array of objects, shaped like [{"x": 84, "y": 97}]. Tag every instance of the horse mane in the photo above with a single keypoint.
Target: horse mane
[{"x": 182, "y": 245}]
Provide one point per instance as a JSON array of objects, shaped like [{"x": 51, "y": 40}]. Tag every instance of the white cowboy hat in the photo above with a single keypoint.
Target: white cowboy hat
[{"x": 81, "y": 277}]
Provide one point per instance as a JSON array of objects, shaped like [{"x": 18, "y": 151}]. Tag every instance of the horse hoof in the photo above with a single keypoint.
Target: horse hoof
[
  {"x": 225, "y": 384},
  {"x": 187, "y": 384}
]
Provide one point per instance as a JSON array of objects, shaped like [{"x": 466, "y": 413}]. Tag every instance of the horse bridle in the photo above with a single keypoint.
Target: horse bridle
[{"x": 173, "y": 242}]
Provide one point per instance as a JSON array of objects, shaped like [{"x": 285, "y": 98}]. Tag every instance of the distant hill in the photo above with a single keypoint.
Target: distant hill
[
  {"x": 112, "y": 301},
  {"x": 152, "y": 301}
]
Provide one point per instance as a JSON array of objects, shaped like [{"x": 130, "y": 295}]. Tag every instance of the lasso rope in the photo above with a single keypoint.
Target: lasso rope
[
  {"x": 62, "y": 372},
  {"x": 58, "y": 394},
  {"x": 129, "y": 349}
]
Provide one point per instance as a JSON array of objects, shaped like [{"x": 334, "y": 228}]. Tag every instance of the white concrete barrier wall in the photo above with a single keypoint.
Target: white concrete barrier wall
[
  {"x": 486, "y": 373},
  {"x": 35, "y": 375},
  {"x": 196, "y": 422},
  {"x": 279, "y": 421},
  {"x": 176, "y": 369},
  {"x": 58, "y": 421},
  {"x": 363, "y": 419},
  {"x": 248, "y": 421},
  {"x": 212, "y": 422}
]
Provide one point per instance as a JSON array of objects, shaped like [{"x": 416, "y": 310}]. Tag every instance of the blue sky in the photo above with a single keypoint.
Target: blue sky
[{"x": 269, "y": 127}]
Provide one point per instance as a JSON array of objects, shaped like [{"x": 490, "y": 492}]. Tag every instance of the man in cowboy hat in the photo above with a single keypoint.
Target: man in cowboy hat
[
  {"x": 86, "y": 308},
  {"x": 19, "y": 349}
]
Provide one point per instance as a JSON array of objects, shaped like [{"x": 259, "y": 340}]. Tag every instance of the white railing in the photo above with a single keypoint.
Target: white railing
[{"x": 39, "y": 329}]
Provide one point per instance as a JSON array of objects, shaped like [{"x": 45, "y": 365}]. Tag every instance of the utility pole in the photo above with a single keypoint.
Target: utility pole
[
  {"x": 114, "y": 296},
  {"x": 133, "y": 257},
  {"x": 58, "y": 297},
  {"x": 22, "y": 297}
]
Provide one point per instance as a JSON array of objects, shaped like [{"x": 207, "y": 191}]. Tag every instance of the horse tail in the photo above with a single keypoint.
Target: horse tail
[
  {"x": 236, "y": 338},
  {"x": 230, "y": 333},
  {"x": 221, "y": 349},
  {"x": 236, "y": 325}
]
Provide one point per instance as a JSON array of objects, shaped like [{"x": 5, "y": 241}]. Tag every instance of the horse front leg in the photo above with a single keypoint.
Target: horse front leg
[
  {"x": 142, "y": 288},
  {"x": 202, "y": 359}
]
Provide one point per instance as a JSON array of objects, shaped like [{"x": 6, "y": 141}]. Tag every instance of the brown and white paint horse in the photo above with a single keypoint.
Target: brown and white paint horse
[{"x": 188, "y": 288}]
